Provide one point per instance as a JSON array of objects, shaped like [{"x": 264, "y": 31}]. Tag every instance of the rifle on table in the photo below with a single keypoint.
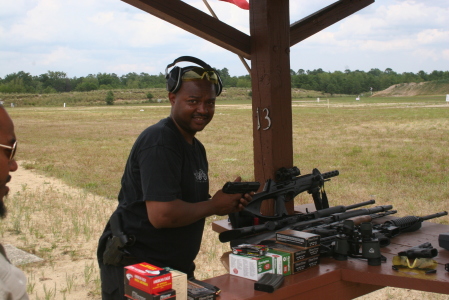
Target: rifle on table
[
  {"x": 381, "y": 232},
  {"x": 325, "y": 230},
  {"x": 394, "y": 227},
  {"x": 286, "y": 187},
  {"x": 236, "y": 233},
  {"x": 258, "y": 239}
]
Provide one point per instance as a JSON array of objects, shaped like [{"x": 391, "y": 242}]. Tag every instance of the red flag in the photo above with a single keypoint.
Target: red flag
[{"x": 240, "y": 3}]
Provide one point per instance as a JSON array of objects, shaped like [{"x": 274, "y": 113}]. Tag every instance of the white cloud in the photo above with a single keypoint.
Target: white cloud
[
  {"x": 433, "y": 36},
  {"x": 103, "y": 18}
]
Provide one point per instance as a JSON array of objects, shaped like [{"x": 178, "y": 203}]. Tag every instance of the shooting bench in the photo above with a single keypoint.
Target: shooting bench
[{"x": 347, "y": 279}]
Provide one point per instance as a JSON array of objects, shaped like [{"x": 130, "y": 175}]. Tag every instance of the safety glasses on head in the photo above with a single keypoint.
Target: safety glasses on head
[
  {"x": 177, "y": 75},
  {"x": 13, "y": 149},
  {"x": 197, "y": 73}
]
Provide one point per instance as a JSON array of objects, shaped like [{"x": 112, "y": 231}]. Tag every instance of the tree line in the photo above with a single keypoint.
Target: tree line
[{"x": 337, "y": 82}]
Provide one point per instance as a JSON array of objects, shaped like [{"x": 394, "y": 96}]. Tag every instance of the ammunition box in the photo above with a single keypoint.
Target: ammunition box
[
  {"x": 281, "y": 262},
  {"x": 297, "y": 253},
  {"x": 250, "y": 267},
  {"x": 136, "y": 294},
  {"x": 148, "y": 278},
  {"x": 298, "y": 238},
  {"x": 305, "y": 264}
]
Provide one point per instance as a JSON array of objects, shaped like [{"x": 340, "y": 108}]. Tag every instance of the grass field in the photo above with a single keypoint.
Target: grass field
[{"x": 390, "y": 149}]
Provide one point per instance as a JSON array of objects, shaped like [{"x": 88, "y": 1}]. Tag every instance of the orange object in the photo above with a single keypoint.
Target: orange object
[{"x": 148, "y": 278}]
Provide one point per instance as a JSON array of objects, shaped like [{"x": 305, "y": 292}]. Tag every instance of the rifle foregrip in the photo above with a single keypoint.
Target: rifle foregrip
[{"x": 412, "y": 223}]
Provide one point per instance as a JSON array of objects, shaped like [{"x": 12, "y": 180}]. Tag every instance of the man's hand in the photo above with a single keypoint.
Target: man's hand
[{"x": 230, "y": 203}]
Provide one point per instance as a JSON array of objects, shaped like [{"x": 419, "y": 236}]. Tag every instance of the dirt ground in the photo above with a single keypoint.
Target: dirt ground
[{"x": 65, "y": 275}]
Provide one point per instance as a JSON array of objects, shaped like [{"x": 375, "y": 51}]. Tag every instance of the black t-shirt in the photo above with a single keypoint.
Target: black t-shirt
[{"x": 163, "y": 166}]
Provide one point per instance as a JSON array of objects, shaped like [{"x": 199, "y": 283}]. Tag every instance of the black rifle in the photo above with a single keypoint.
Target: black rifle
[
  {"x": 325, "y": 230},
  {"x": 286, "y": 187},
  {"x": 394, "y": 227},
  {"x": 236, "y": 233},
  {"x": 258, "y": 239},
  {"x": 381, "y": 232}
]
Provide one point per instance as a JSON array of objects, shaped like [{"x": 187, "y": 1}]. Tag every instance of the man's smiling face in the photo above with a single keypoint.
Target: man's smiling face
[{"x": 193, "y": 106}]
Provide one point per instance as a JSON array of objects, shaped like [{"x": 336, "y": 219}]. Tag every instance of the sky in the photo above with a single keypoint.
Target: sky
[{"x": 82, "y": 37}]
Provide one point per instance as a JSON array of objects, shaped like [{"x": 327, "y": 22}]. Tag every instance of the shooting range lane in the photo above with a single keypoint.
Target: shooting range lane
[{"x": 351, "y": 278}]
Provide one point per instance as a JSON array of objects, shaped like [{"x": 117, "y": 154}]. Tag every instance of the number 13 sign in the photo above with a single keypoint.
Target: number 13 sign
[{"x": 267, "y": 118}]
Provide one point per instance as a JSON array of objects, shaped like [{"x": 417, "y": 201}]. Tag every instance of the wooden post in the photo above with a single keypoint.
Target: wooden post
[{"x": 271, "y": 91}]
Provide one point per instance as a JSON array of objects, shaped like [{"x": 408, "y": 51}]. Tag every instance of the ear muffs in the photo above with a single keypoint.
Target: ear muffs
[{"x": 174, "y": 78}]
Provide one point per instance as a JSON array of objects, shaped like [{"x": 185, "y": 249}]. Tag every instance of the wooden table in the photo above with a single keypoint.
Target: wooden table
[{"x": 333, "y": 279}]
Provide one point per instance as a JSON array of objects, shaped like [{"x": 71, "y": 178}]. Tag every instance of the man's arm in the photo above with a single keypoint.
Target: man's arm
[{"x": 179, "y": 213}]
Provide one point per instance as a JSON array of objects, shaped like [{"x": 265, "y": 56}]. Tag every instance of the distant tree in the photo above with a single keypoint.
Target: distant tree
[
  {"x": 225, "y": 77},
  {"x": 57, "y": 80},
  {"x": 375, "y": 72},
  {"x": 331, "y": 89},
  {"x": 244, "y": 81},
  {"x": 150, "y": 97},
  {"x": 423, "y": 75},
  {"x": 390, "y": 71},
  {"x": 110, "y": 80},
  {"x": 110, "y": 98},
  {"x": 89, "y": 83}
]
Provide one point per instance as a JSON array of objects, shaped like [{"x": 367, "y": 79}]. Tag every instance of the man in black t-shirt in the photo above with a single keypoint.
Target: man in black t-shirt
[{"x": 164, "y": 198}]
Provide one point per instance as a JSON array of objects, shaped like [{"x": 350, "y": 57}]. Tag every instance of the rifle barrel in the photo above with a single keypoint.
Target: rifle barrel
[
  {"x": 357, "y": 205},
  {"x": 330, "y": 174},
  {"x": 437, "y": 215}
]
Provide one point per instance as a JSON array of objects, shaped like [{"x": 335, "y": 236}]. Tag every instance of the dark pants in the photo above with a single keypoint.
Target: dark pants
[{"x": 112, "y": 282}]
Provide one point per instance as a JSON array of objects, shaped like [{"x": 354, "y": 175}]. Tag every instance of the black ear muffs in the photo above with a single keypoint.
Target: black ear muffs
[{"x": 174, "y": 78}]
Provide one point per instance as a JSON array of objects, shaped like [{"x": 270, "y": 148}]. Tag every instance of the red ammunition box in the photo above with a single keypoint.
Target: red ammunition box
[
  {"x": 148, "y": 278},
  {"x": 298, "y": 238}
]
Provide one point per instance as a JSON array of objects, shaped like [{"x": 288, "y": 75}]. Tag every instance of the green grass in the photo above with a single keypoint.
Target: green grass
[{"x": 394, "y": 150}]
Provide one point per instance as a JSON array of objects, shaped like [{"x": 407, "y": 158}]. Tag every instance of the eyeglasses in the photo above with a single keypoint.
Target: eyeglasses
[
  {"x": 197, "y": 73},
  {"x": 13, "y": 149}
]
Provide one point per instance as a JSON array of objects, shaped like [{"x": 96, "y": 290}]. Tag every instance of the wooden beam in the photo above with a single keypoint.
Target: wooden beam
[
  {"x": 271, "y": 91},
  {"x": 325, "y": 17},
  {"x": 197, "y": 22}
]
